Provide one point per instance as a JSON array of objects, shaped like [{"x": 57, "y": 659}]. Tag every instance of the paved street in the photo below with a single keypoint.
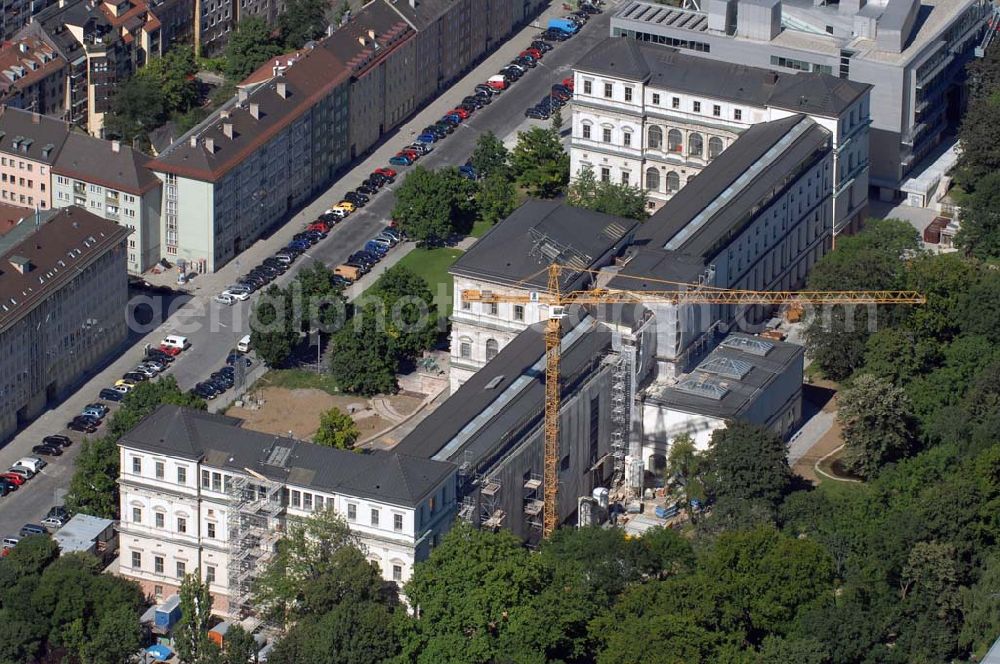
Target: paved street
[{"x": 213, "y": 329}]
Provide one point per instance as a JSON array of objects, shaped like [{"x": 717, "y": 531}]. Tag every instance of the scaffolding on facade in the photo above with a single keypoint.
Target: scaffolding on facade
[
  {"x": 255, "y": 523},
  {"x": 533, "y": 503},
  {"x": 620, "y": 380},
  {"x": 490, "y": 513}
]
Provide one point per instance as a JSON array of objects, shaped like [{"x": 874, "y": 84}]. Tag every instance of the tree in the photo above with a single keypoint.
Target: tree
[
  {"x": 117, "y": 638},
  {"x": 496, "y": 198},
  {"x": 979, "y": 138},
  {"x": 467, "y": 591},
  {"x": 302, "y": 21},
  {"x": 490, "y": 157},
  {"x": 540, "y": 163},
  {"x": 174, "y": 77},
  {"x": 191, "y": 634},
  {"x": 274, "y": 332},
  {"x": 323, "y": 304},
  {"x": 362, "y": 632},
  {"x": 362, "y": 360},
  {"x": 137, "y": 108},
  {"x": 981, "y": 610},
  {"x": 431, "y": 206},
  {"x": 336, "y": 429},
  {"x": 746, "y": 466},
  {"x": 620, "y": 200},
  {"x": 979, "y": 235},
  {"x": 877, "y": 424},
  {"x": 249, "y": 46},
  {"x": 411, "y": 318},
  {"x": 685, "y": 465},
  {"x": 872, "y": 259},
  {"x": 557, "y": 121},
  {"x": 239, "y": 647}
]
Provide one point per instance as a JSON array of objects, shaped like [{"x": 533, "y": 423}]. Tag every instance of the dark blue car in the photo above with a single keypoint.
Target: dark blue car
[{"x": 467, "y": 171}]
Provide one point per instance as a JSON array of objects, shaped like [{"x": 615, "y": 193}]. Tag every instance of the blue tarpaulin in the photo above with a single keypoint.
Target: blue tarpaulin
[{"x": 160, "y": 652}]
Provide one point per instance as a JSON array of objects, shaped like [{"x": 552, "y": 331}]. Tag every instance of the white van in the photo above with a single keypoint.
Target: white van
[
  {"x": 34, "y": 464},
  {"x": 174, "y": 341},
  {"x": 243, "y": 345}
]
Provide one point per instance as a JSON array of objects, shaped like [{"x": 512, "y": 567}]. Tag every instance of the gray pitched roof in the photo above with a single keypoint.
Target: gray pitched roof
[
  {"x": 517, "y": 251},
  {"x": 41, "y": 137},
  {"x": 425, "y": 13},
  {"x": 90, "y": 159},
  {"x": 669, "y": 68},
  {"x": 756, "y": 163},
  {"x": 220, "y": 441},
  {"x": 507, "y": 394}
]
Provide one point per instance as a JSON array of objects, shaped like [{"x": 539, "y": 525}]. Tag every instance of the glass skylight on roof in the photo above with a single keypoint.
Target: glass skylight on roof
[
  {"x": 750, "y": 345},
  {"x": 279, "y": 456},
  {"x": 726, "y": 367},
  {"x": 700, "y": 385}
]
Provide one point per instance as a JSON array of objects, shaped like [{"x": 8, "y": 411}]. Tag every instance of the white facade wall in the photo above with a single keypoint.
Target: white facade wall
[
  {"x": 178, "y": 528},
  {"x": 476, "y": 329},
  {"x": 659, "y": 139}
]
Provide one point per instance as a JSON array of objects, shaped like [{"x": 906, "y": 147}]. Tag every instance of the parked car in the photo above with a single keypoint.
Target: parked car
[
  {"x": 421, "y": 148},
  {"x": 537, "y": 113},
  {"x": 400, "y": 160},
  {"x": 204, "y": 391},
  {"x": 590, "y": 9},
  {"x": 122, "y": 389},
  {"x": 224, "y": 298},
  {"x": 238, "y": 293},
  {"x": 46, "y": 450},
  {"x": 427, "y": 137},
  {"x": 6, "y": 486},
  {"x": 532, "y": 52},
  {"x": 135, "y": 376},
  {"x": 54, "y": 522},
  {"x": 542, "y": 45},
  {"x": 57, "y": 439},
  {"x": 356, "y": 197},
  {"x": 233, "y": 358},
  {"x": 59, "y": 511},
  {"x": 157, "y": 354},
  {"x": 468, "y": 172},
  {"x": 82, "y": 424},
  {"x": 29, "y": 529},
  {"x": 24, "y": 473},
  {"x": 92, "y": 413},
  {"x": 14, "y": 478},
  {"x": 388, "y": 172},
  {"x": 478, "y": 100}
]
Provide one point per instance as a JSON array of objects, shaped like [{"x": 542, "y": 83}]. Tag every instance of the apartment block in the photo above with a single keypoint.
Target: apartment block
[
  {"x": 33, "y": 77},
  {"x": 912, "y": 52},
  {"x": 201, "y": 494},
  {"x": 63, "y": 294},
  {"x": 29, "y": 145},
  {"x": 104, "y": 43},
  {"x": 244, "y": 169},
  {"x": 111, "y": 180},
  {"x": 654, "y": 117},
  {"x": 511, "y": 258}
]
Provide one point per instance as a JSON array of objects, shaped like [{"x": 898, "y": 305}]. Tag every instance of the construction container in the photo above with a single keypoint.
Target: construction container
[
  {"x": 168, "y": 613},
  {"x": 218, "y": 633},
  {"x": 932, "y": 233}
]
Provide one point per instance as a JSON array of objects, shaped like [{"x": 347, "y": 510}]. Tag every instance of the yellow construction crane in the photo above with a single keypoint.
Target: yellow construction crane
[{"x": 681, "y": 293}]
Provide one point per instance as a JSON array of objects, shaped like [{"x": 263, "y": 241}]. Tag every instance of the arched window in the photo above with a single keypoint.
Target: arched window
[
  {"x": 696, "y": 145},
  {"x": 675, "y": 141},
  {"x": 714, "y": 147},
  {"x": 652, "y": 179},
  {"x": 492, "y": 348},
  {"x": 673, "y": 182},
  {"x": 465, "y": 347},
  {"x": 655, "y": 138}
]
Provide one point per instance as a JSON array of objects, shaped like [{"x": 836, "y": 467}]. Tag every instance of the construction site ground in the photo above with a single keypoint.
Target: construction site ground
[
  {"x": 823, "y": 393},
  {"x": 280, "y": 410}
]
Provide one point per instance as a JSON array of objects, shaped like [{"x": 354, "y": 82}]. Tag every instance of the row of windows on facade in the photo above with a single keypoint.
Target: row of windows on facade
[
  {"x": 219, "y": 483},
  {"x": 20, "y": 198},
  {"x": 675, "y": 102},
  {"x": 465, "y": 348},
  {"x": 21, "y": 182},
  {"x": 24, "y": 166},
  {"x": 654, "y": 140},
  {"x": 94, "y": 189},
  {"x": 493, "y": 309}
]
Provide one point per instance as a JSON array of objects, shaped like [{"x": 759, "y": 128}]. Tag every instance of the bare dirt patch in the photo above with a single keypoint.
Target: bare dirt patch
[
  {"x": 299, "y": 410},
  {"x": 806, "y": 466}
]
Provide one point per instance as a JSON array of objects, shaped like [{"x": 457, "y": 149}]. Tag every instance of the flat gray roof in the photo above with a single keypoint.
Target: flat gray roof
[
  {"x": 220, "y": 441},
  {"x": 80, "y": 532},
  {"x": 730, "y": 379}
]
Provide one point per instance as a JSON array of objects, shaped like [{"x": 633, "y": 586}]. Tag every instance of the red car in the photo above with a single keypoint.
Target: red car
[
  {"x": 173, "y": 351},
  {"x": 388, "y": 172},
  {"x": 412, "y": 154},
  {"x": 13, "y": 478},
  {"x": 533, "y": 52},
  {"x": 318, "y": 225},
  {"x": 568, "y": 82},
  {"x": 460, "y": 112}
]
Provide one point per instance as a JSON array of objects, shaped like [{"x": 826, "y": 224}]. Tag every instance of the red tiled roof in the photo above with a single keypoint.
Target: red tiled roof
[
  {"x": 266, "y": 71},
  {"x": 11, "y": 56},
  {"x": 10, "y": 215}
]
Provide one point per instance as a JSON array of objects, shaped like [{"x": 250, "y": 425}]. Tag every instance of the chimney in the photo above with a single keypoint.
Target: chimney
[
  {"x": 116, "y": 146},
  {"x": 282, "y": 90},
  {"x": 413, "y": 3},
  {"x": 361, "y": 40},
  {"x": 255, "y": 110},
  {"x": 36, "y": 118},
  {"x": 22, "y": 47},
  {"x": 210, "y": 145},
  {"x": 224, "y": 114},
  {"x": 194, "y": 141},
  {"x": 227, "y": 129},
  {"x": 243, "y": 94},
  {"x": 371, "y": 35}
]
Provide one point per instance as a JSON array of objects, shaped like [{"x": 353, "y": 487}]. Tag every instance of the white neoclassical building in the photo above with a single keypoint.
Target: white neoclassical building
[
  {"x": 513, "y": 257},
  {"x": 200, "y": 494},
  {"x": 651, "y": 116}
]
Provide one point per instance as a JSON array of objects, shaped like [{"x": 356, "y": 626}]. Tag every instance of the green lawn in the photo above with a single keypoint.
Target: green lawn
[
  {"x": 294, "y": 379},
  {"x": 432, "y": 265},
  {"x": 479, "y": 229}
]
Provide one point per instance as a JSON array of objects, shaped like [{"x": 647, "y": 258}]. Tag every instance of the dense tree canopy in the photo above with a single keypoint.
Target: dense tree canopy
[
  {"x": 876, "y": 423},
  {"x": 540, "y": 163},
  {"x": 432, "y": 206},
  {"x": 490, "y": 157},
  {"x": 336, "y": 429},
  {"x": 620, "y": 200},
  {"x": 249, "y": 46}
]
